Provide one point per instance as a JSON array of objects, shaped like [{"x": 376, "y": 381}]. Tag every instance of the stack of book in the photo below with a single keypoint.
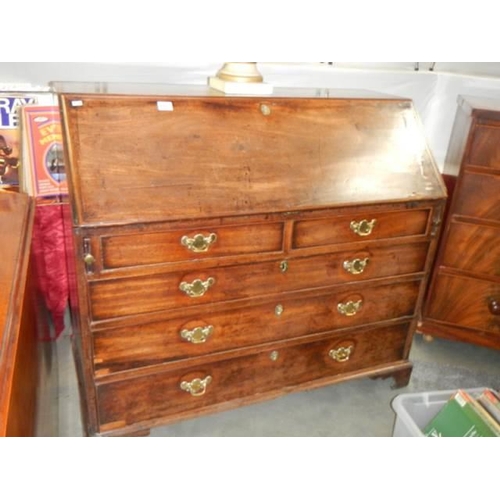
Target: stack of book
[{"x": 467, "y": 415}]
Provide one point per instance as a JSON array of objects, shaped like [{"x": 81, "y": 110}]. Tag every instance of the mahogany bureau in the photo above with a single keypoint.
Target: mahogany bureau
[
  {"x": 463, "y": 302},
  {"x": 229, "y": 250}
]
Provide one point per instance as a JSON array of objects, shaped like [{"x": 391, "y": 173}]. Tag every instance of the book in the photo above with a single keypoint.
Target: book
[
  {"x": 10, "y": 135},
  {"x": 491, "y": 403},
  {"x": 459, "y": 417},
  {"x": 486, "y": 416},
  {"x": 43, "y": 171}
]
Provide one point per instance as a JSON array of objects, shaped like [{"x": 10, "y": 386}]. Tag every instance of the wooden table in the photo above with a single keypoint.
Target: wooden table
[{"x": 18, "y": 347}]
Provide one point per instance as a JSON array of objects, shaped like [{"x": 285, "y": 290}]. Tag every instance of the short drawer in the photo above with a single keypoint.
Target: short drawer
[
  {"x": 145, "y": 248},
  {"x": 162, "y": 394},
  {"x": 477, "y": 196},
  {"x": 113, "y": 298},
  {"x": 485, "y": 147},
  {"x": 287, "y": 317},
  {"x": 466, "y": 302},
  {"x": 474, "y": 248},
  {"x": 360, "y": 227}
]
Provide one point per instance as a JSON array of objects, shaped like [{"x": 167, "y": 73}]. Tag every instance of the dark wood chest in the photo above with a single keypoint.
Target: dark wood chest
[
  {"x": 233, "y": 249},
  {"x": 463, "y": 302}
]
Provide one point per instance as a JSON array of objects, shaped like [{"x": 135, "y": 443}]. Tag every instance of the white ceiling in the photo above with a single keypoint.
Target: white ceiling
[
  {"x": 433, "y": 87},
  {"x": 487, "y": 69}
]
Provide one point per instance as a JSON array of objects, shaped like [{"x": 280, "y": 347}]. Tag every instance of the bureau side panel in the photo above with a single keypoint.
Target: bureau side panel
[{"x": 79, "y": 316}]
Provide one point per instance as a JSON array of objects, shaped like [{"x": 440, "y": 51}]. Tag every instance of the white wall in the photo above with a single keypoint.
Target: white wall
[{"x": 433, "y": 92}]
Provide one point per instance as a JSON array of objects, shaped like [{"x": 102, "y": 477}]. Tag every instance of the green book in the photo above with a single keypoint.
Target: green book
[{"x": 459, "y": 418}]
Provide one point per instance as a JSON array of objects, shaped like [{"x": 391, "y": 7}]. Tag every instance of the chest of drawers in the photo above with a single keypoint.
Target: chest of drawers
[
  {"x": 229, "y": 250},
  {"x": 463, "y": 302}
]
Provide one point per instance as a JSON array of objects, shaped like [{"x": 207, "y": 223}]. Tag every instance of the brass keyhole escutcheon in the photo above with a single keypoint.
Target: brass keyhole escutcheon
[
  {"x": 278, "y": 310},
  {"x": 274, "y": 356},
  {"x": 265, "y": 109},
  {"x": 284, "y": 266}
]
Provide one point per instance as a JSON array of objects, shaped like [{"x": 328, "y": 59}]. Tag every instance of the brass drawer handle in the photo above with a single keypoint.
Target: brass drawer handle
[
  {"x": 342, "y": 354},
  {"x": 363, "y": 227},
  {"x": 356, "y": 266},
  {"x": 199, "y": 243},
  {"x": 89, "y": 259},
  {"x": 196, "y": 387},
  {"x": 197, "y": 288},
  {"x": 349, "y": 308},
  {"x": 197, "y": 335}
]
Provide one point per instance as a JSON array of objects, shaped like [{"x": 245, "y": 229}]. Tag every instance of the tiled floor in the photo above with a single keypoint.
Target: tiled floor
[{"x": 355, "y": 408}]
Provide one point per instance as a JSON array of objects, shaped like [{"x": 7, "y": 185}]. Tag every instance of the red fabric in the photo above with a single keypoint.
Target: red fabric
[{"x": 49, "y": 262}]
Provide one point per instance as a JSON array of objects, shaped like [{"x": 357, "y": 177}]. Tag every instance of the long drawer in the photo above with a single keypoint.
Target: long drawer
[
  {"x": 145, "y": 294},
  {"x": 485, "y": 146},
  {"x": 159, "y": 395},
  {"x": 474, "y": 248},
  {"x": 466, "y": 302},
  {"x": 201, "y": 333},
  {"x": 479, "y": 197}
]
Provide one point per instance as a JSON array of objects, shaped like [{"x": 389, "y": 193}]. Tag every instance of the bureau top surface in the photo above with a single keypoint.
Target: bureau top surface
[
  {"x": 152, "y": 157},
  {"x": 162, "y": 89}
]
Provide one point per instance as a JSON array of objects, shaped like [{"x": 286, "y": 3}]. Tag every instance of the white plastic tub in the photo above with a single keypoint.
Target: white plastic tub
[{"x": 415, "y": 411}]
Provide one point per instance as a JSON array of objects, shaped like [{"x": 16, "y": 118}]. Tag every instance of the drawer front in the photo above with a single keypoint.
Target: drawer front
[
  {"x": 162, "y": 394},
  {"x": 145, "y": 248},
  {"x": 478, "y": 196},
  {"x": 474, "y": 248},
  {"x": 205, "y": 333},
  {"x": 137, "y": 295},
  {"x": 360, "y": 227},
  {"x": 467, "y": 302},
  {"x": 485, "y": 147}
]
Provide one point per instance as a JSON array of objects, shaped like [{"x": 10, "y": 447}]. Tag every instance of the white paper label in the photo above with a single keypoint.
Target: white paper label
[{"x": 165, "y": 106}]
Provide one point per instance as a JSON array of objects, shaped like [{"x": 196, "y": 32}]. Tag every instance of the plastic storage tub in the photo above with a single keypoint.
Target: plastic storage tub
[{"x": 415, "y": 410}]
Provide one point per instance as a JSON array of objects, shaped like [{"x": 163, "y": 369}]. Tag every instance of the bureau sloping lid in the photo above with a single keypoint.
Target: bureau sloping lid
[{"x": 152, "y": 158}]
